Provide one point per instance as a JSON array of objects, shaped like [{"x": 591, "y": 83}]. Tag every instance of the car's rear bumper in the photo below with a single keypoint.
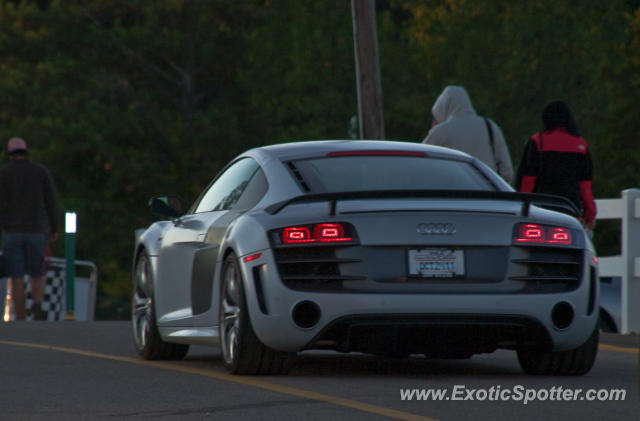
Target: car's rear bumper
[{"x": 272, "y": 306}]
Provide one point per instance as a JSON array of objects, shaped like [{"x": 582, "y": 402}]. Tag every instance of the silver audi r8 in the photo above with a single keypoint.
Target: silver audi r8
[{"x": 387, "y": 248}]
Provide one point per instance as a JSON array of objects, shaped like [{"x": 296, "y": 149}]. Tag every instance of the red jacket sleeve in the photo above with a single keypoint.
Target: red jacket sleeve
[
  {"x": 587, "y": 201},
  {"x": 528, "y": 183}
]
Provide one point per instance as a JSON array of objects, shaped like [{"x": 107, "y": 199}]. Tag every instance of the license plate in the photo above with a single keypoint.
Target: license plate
[{"x": 436, "y": 263}]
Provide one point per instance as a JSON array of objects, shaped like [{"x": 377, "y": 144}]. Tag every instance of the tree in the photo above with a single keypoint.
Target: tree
[
  {"x": 513, "y": 57},
  {"x": 127, "y": 99},
  {"x": 122, "y": 99}
]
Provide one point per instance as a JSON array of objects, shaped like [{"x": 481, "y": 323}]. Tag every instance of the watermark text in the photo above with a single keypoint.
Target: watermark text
[{"x": 518, "y": 393}]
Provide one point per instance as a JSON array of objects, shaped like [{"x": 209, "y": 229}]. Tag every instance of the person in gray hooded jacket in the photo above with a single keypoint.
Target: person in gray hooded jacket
[{"x": 456, "y": 125}]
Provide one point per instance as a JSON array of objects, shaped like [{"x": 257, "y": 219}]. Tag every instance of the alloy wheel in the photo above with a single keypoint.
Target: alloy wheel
[
  {"x": 230, "y": 314},
  {"x": 141, "y": 305}
]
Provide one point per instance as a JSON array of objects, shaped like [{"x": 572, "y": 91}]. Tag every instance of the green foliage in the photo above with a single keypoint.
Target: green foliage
[
  {"x": 513, "y": 57},
  {"x": 125, "y": 99},
  {"x": 122, "y": 100},
  {"x": 298, "y": 73}
]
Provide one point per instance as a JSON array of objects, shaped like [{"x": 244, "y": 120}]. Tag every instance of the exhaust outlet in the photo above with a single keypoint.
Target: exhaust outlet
[
  {"x": 562, "y": 315},
  {"x": 306, "y": 314}
]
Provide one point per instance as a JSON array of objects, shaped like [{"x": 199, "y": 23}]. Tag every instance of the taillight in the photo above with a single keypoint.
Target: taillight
[
  {"x": 329, "y": 232},
  {"x": 559, "y": 235},
  {"x": 530, "y": 232},
  {"x": 296, "y": 235},
  {"x": 535, "y": 233},
  {"x": 326, "y": 232}
]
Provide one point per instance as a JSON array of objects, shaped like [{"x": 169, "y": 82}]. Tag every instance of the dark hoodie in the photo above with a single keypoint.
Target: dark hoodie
[{"x": 28, "y": 198}]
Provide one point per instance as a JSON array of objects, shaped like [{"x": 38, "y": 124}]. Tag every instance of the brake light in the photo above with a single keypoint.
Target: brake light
[
  {"x": 377, "y": 153},
  {"x": 326, "y": 232},
  {"x": 329, "y": 232},
  {"x": 559, "y": 236},
  {"x": 530, "y": 232},
  {"x": 296, "y": 235},
  {"x": 534, "y": 233}
]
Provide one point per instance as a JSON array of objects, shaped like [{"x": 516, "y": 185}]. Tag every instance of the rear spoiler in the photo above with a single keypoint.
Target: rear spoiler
[{"x": 547, "y": 201}]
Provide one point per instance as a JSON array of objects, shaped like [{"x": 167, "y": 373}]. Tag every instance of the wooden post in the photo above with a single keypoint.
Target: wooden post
[{"x": 369, "y": 86}]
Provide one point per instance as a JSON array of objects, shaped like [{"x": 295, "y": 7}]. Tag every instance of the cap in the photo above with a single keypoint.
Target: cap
[{"x": 16, "y": 144}]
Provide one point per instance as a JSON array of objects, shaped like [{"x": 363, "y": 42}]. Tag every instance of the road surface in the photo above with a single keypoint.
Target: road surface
[{"x": 89, "y": 370}]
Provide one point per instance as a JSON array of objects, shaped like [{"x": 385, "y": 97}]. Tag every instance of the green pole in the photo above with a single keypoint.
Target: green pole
[{"x": 70, "y": 254}]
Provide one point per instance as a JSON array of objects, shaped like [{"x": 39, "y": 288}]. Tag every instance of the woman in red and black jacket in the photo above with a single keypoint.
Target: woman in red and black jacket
[{"x": 557, "y": 161}]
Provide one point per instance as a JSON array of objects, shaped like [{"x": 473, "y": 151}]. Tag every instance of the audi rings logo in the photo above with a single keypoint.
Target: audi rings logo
[{"x": 436, "y": 229}]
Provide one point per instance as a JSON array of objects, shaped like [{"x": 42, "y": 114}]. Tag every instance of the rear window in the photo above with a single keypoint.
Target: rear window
[{"x": 353, "y": 173}]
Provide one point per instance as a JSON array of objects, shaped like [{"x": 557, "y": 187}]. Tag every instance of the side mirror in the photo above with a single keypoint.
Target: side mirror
[{"x": 166, "y": 206}]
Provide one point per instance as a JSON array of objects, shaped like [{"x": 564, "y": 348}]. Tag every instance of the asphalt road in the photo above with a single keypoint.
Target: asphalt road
[{"x": 89, "y": 370}]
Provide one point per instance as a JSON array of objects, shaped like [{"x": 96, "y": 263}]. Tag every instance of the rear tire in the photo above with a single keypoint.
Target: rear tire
[
  {"x": 146, "y": 337},
  {"x": 242, "y": 351},
  {"x": 575, "y": 362}
]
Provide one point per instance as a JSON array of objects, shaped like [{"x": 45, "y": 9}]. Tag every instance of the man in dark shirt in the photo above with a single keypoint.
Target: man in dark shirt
[{"x": 29, "y": 216}]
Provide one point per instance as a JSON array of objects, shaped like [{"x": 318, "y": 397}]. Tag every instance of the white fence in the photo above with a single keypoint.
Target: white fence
[{"x": 627, "y": 264}]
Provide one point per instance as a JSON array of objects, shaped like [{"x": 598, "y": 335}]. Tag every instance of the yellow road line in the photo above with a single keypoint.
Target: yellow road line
[
  {"x": 607, "y": 347},
  {"x": 249, "y": 381}
]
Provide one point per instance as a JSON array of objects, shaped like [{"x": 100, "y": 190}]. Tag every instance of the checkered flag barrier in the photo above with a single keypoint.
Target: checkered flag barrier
[
  {"x": 54, "y": 303},
  {"x": 53, "y": 300}
]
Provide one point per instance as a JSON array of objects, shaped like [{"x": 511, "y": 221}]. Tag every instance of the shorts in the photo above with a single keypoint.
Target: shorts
[{"x": 24, "y": 253}]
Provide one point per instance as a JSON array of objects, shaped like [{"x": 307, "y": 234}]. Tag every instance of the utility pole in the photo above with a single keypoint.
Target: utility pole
[{"x": 369, "y": 85}]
